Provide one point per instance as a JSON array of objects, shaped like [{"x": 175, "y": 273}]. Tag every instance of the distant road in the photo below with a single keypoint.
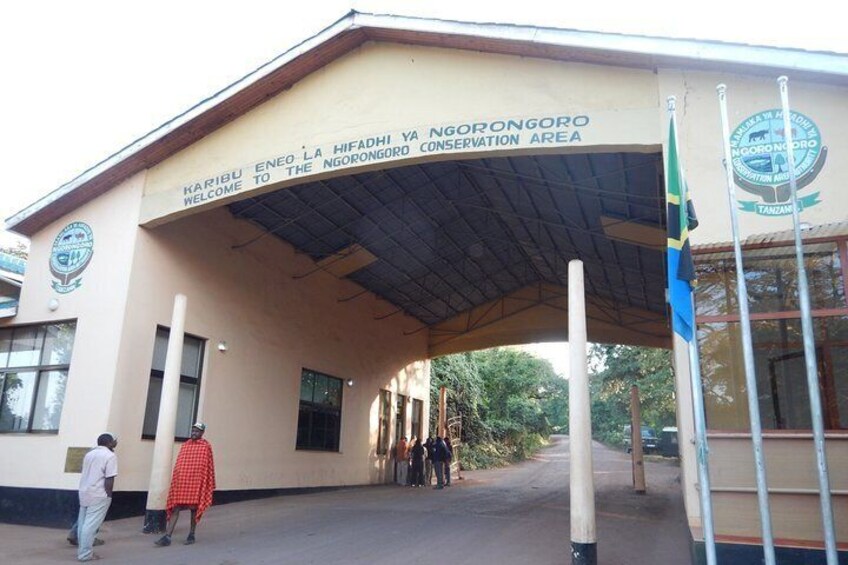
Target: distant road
[{"x": 515, "y": 515}]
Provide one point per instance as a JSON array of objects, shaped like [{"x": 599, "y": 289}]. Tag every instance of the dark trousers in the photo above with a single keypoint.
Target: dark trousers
[
  {"x": 447, "y": 473},
  {"x": 418, "y": 474},
  {"x": 440, "y": 473}
]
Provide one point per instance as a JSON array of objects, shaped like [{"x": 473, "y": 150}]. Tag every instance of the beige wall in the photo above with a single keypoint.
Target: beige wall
[
  {"x": 274, "y": 326},
  {"x": 793, "y": 486},
  {"x": 701, "y": 148},
  {"x": 35, "y": 460}
]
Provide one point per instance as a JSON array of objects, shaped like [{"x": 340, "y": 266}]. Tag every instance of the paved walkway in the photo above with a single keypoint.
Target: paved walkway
[{"x": 514, "y": 515}]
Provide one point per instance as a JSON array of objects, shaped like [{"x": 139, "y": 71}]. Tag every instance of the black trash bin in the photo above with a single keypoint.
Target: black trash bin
[{"x": 668, "y": 442}]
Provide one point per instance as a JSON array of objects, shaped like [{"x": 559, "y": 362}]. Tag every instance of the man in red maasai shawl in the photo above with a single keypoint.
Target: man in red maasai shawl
[{"x": 192, "y": 483}]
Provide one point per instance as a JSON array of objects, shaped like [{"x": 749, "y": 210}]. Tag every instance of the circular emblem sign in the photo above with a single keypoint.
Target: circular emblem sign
[
  {"x": 761, "y": 163},
  {"x": 71, "y": 254}
]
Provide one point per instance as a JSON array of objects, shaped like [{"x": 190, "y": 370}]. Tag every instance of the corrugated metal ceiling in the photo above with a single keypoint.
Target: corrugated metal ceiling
[{"x": 452, "y": 235}]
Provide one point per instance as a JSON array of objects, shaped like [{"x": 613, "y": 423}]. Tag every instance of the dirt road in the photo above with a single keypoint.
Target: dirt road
[{"x": 517, "y": 514}]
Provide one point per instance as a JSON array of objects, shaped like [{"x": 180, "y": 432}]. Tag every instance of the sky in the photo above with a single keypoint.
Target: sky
[{"x": 80, "y": 80}]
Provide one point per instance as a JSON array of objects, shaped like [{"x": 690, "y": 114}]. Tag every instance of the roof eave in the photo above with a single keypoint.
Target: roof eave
[{"x": 328, "y": 45}]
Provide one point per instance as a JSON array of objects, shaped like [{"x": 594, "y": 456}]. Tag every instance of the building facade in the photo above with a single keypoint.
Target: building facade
[{"x": 396, "y": 189}]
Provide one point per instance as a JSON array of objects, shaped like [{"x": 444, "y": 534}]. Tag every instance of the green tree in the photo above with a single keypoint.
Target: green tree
[
  {"x": 509, "y": 401},
  {"x": 616, "y": 368}
]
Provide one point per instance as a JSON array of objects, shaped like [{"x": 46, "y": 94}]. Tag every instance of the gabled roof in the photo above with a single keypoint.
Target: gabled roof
[{"x": 356, "y": 28}]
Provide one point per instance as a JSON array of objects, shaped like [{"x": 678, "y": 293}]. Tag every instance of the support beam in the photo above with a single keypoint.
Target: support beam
[
  {"x": 636, "y": 441},
  {"x": 443, "y": 412},
  {"x": 163, "y": 448},
  {"x": 583, "y": 537}
]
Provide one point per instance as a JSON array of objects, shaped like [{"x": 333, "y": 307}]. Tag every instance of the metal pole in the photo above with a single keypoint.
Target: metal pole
[
  {"x": 747, "y": 341},
  {"x": 163, "y": 446},
  {"x": 701, "y": 447},
  {"x": 809, "y": 339},
  {"x": 584, "y": 548},
  {"x": 636, "y": 458}
]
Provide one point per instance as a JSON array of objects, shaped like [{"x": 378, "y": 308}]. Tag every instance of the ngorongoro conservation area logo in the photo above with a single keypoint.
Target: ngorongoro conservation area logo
[
  {"x": 71, "y": 254},
  {"x": 761, "y": 164}
]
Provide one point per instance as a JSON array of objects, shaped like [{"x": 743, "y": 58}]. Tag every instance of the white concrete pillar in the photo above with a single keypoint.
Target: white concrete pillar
[
  {"x": 163, "y": 448},
  {"x": 583, "y": 537}
]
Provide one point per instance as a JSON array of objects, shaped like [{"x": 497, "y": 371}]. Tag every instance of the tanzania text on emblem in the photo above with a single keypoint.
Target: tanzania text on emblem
[{"x": 761, "y": 164}]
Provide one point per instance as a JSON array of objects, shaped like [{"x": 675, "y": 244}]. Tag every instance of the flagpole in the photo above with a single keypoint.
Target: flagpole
[
  {"x": 697, "y": 396},
  {"x": 809, "y": 340},
  {"x": 747, "y": 342}
]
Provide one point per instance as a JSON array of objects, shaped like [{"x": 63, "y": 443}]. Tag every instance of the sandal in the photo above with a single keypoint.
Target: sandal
[{"x": 164, "y": 541}]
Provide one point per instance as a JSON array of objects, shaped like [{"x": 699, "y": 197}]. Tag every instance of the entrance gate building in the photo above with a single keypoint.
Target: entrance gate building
[{"x": 396, "y": 189}]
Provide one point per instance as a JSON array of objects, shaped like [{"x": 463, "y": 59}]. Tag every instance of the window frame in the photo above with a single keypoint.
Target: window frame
[
  {"x": 39, "y": 370},
  {"x": 160, "y": 374},
  {"x": 825, "y": 380},
  {"x": 327, "y": 408},
  {"x": 384, "y": 424},
  {"x": 417, "y": 419},
  {"x": 400, "y": 417}
]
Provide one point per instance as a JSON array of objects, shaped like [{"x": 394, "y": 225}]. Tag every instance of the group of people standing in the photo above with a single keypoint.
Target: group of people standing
[{"x": 415, "y": 465}]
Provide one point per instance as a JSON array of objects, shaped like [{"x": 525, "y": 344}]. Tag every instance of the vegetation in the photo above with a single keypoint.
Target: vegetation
[
  {"x": 17, "y": 249},
  {"x": 510, "y": 401},
  {"x": 617, "y": 367}
]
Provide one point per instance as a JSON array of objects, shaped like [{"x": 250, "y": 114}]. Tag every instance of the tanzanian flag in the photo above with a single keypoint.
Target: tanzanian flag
[{"x": 681, "y": 268}]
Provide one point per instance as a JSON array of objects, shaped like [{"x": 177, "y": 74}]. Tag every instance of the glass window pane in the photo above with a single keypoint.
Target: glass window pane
[
  {"x": 5, "y": 345},
  {"x": 51, "y": 397},
  {"x": 160, "y": 349},
  {"x": 26, "y": 347},
  {"x": 151, "y": 410},
  {"x": 780, "y": 373},
  {"x": 185, "y": 409},
  {"x": 334, "y": 392},
  {"x": 307, "y": 386},
  {"x": 320, "y": 395},
  {"x": 192, "y": 352},
  {"x": 303, "y": 428},
  {"x": 723, "y": 377},
  {"x": 839, "y": 367},
  {"x": 16, "y": 401},
  {"x": 771, "y": 275},
  {"x": 58, "y": 344}
]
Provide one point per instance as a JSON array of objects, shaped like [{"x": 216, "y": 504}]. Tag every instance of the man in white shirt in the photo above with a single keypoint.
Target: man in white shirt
[{"x": 99, "y": 469}]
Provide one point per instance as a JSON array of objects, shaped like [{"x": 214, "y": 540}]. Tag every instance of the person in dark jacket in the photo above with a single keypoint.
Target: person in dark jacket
[
  {"x": 428, "y": 463},
  {"x": 440, "y": 452},
  {"x": 418, "y": 453},
  {"x": 448, "y": 460}
]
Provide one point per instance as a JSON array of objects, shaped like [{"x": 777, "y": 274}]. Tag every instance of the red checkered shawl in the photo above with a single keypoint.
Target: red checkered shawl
[{"x": 193, "y": 480}]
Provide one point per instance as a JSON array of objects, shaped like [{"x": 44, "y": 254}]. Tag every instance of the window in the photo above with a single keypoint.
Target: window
[
  {"x": 192, "y": 361},
  {"x": 319, "y": 422},
  {"x": 400, "y": 418},
  {"x": 417, "y": 416},
  {"x": 777, "y": 337},
  {"x": 383, "y": 425},
  {"x": 34, "y": 363}
]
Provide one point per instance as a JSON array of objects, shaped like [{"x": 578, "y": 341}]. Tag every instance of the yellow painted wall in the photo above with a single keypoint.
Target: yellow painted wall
[
  {"x": 274, "y": 326},
  {"x": 388, "y": 88},
  {"x": 38, "y": 460}
]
